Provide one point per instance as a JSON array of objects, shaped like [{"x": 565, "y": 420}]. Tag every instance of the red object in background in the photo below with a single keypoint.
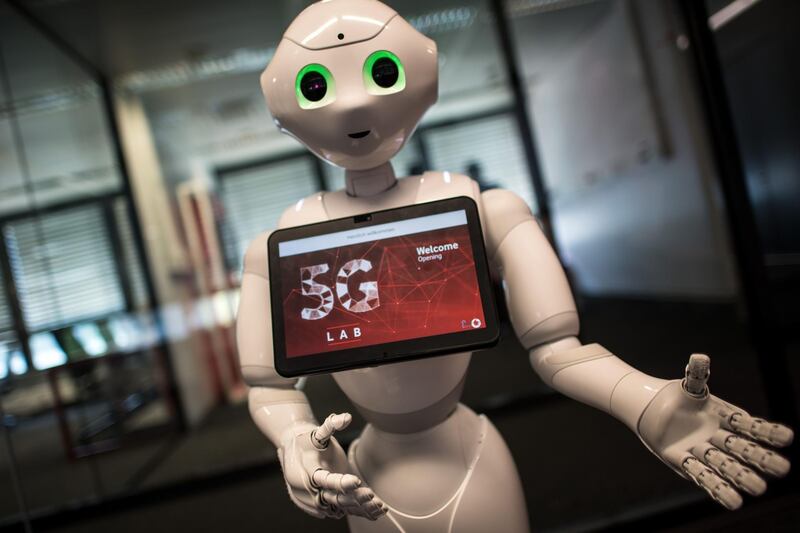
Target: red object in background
[{"x": 435, "y": 296}]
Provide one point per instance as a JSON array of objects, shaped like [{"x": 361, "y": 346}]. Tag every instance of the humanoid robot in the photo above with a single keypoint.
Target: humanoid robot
[{"x": 351, "y": 79}]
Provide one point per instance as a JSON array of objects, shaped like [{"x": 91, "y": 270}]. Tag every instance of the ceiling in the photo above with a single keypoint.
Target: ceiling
[
  {"x": 124, "y": 36},
  {"x": 154, "y": 39}
]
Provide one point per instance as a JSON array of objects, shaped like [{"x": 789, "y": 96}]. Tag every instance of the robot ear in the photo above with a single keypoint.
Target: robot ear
[
  {"x": 277, "y": 82},
  {"x": 432, "y": 46}
]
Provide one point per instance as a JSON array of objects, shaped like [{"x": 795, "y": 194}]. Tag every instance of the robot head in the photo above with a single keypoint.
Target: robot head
[{"x": 351, "y": 79}]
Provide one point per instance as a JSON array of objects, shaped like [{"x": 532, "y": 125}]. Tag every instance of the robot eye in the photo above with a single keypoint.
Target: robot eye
[
  {"x": 384, "y": 73},
  {"x": 315, "y": 87}
]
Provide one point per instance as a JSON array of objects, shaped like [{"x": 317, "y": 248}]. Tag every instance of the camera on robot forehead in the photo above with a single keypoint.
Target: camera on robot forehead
[{"x": 350, "y": 79}]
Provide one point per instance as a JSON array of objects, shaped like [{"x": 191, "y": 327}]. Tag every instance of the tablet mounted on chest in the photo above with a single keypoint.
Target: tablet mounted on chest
[{"x": 380, "y": 288}]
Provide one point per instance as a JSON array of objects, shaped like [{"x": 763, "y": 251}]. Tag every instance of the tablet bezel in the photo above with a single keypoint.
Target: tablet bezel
[{"x": 392, "y": 352}]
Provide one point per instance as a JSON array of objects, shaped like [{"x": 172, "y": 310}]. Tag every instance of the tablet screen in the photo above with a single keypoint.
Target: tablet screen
[{"x": 388, "y": 282}]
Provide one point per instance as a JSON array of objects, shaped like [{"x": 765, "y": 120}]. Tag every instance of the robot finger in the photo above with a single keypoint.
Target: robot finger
[
  {"x": 360, "y": 511},
  {"x": 367, "y": 500},
  {"x": 342, "y": 499},
  {"x": 329, "y": 507},
  {"x": 340, "y": 503},
  {"x": 332, "y": 424},
  {"x": 363, "y": 494},
  {"x": 731, "y": 469},
  {"x": 360, "y": 497},
  {"x": 719, "y": 489},
  {"x": 334, "y": 512},
  {"x": 325, "y": 479},
  {"x": 750, "y": 452},
  {"x": 697, "y": 373},
  {"x": 374, "y": 509},
  {"x": 371, "y": 509},
  {"x": 759, "y": 429},
  {"x": 375, "y": 506},
  {"x": 334, "y": 498}
]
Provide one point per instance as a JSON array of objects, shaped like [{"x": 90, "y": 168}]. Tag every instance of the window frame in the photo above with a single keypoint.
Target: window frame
[
  {"x": 106, "y": 204},
  {"x": 502, "y": 111},
  {"x": 226, "y": 172}
]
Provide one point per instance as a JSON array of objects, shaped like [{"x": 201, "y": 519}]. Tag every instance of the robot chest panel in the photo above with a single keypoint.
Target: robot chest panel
[{"x": 402, "y": 387}]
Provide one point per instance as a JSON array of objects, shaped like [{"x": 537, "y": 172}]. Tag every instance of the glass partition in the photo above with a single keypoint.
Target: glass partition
[
  {"x": 635, "y": 200},
  {"x": 488, "y": 149},
  {"x": 255, "y": 195},
  {"x": 109, "y": 398},
  {"x": 83, "y": 375},
  {"x": 59, "y": 116}
]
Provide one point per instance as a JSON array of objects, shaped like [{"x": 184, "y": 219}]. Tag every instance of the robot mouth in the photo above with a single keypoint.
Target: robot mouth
[{"x": 358, "y": 134}]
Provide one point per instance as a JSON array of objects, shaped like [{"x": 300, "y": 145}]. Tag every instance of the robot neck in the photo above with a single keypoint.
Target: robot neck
[{"x": 371, "y": 181}]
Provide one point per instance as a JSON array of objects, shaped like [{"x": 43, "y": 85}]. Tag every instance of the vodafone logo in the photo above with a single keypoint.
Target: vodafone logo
[{"x": 476, "y": 323}]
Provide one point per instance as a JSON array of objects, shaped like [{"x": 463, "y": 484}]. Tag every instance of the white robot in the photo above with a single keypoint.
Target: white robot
[{"x": 351, "y": 79}]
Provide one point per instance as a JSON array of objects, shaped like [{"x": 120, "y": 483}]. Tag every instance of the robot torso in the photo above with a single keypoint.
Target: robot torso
[{"x": 408, "y": 396}]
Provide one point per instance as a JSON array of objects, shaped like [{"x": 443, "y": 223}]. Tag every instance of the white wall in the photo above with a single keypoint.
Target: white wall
[{"x": 630, "y": 219}]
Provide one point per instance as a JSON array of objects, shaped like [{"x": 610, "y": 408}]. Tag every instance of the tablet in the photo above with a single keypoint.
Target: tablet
[{"x": 380, "y": 288}]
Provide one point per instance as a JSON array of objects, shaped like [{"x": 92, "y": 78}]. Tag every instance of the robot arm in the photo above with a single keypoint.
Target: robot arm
[
  {"x": 544, "y": 317},
  {"x": 276, "y": 405},
  {"x": 314, "y": 465},
  {"x": 698, "y": 435}
]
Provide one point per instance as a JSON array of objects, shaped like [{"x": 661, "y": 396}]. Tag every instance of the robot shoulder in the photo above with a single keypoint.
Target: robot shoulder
[
  {"x": 440, "y": 185},
  {"x": 255, "y": 257},
  {"x": 502, "y": 211},
  {"x": 253, "y": 332},
  {"x": 305, "y": 211}
]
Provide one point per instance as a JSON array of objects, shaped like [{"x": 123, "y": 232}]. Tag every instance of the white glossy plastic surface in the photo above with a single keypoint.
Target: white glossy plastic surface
[
  {"x": 319, "y": 25},
  {"x": 316, "y": 475},
  {"x": 435, "y": 463},
  {"x": 390, "y": 119},
  {"x": 440, "y": 479},
  {"x": 688, "y": 433},
  {"x": 401, "y": 387},
  {"x": 255, "y": 342},
  {"x": 537, "y": 293}
]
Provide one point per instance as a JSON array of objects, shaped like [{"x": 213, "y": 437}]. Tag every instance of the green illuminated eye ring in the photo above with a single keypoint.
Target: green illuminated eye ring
[
  {"x": 384, "y": 73},
  {"x": 314, "y": 86}
]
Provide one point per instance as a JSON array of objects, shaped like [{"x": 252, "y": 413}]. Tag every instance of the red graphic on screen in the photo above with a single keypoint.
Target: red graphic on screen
[{"x": 382, "y": 291}]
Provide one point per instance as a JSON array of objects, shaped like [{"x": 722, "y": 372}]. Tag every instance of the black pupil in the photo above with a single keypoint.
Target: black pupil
[
  {"x": 384, "y": 72},
  {"x": 313, "y": 86}
]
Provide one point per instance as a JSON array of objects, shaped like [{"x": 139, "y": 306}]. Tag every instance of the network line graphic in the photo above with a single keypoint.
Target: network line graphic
[{"x": 392, "y": 291}]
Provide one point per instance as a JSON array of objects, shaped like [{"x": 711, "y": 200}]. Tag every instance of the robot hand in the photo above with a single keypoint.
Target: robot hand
[
  {"x": 710, "y": 441},
  {"x": 315, "y": 466}
]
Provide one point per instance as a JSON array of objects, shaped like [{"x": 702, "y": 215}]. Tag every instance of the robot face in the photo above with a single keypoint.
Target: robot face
[{"x": 351, "y": 79}]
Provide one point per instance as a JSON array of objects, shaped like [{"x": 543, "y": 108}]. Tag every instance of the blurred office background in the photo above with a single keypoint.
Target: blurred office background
[{"x": 658, "y": 141}]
